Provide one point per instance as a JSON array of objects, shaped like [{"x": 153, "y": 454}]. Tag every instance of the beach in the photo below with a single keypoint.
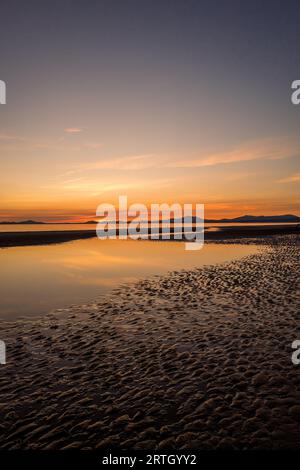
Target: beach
[{"x": 195, "y": 358}]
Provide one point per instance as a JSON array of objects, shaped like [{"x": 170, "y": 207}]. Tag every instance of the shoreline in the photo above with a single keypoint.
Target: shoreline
[
  {"x": 193, "y": 359},
  {"x": 32, "y": 238}
]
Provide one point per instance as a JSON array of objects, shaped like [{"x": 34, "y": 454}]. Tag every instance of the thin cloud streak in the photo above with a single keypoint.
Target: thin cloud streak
[
  {"x": 291, "y": 179},
  {"x": 96, "y": 188},
  {"x": 72, "y": 130},
  {"x": 131, "y": 162},
  {"x": 266, "y": 149}
]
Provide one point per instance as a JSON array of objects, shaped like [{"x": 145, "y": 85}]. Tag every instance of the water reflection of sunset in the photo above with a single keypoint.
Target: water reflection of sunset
[{"x": 34, "y": 280}]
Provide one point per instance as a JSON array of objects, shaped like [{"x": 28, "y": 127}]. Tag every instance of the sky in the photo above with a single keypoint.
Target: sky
[{"x": 163, "y": 101}]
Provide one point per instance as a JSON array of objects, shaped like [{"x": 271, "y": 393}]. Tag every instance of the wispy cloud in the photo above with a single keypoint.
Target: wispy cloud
[
  {"x": 60, "y": 144},
  {"x": 94, "y": 187},
  {"x": 291, "y": 179},
  {"x": 131, "y": 162},
  {"x": 12, "y": 138},
  {"x": 72, "y": 130},
  {"x": 267, "y": 149}
]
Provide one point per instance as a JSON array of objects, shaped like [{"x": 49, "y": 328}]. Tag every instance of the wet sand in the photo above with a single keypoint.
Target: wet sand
[
  {"x": 193, "y": 359},
  {"x": 10, "y": 239}
]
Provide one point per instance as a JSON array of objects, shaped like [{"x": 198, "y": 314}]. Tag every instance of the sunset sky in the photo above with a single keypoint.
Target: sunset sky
[{"x": 164, "y": 101}]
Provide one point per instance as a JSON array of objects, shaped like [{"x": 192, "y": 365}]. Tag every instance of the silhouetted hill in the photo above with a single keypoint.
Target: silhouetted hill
[
  {"x": 259, "y": 219},
  {"x": 22, "y": 222},
  {"x": 287, "y": 218}
]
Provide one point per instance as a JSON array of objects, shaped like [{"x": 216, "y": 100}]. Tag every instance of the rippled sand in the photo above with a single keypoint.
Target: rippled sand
[{"x": 197, "y": 358}]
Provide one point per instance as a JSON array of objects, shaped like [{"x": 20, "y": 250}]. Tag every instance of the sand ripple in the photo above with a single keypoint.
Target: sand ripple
[{"x": 197, "y": 358}]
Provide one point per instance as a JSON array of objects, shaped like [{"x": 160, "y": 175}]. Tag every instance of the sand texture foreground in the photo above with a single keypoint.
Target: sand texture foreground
[{"x": 194, "y": 359}]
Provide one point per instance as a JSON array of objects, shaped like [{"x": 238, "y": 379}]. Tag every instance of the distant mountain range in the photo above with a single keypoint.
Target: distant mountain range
[
  {"x": 22, "y": 222},
  {"x": 287, "y": 218},
  {"x": 259, "y": 219}
]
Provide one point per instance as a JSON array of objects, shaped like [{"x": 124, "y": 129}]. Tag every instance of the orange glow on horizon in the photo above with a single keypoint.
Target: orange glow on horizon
[{"x": 212, "y": 211}]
